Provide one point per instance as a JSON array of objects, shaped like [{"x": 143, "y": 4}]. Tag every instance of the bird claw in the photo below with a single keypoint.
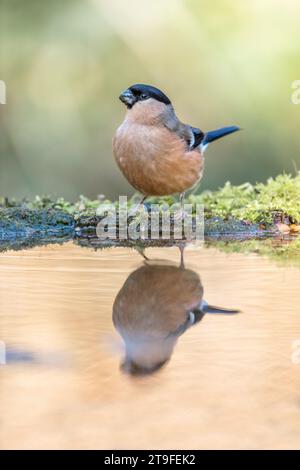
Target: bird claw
[{"x": 179, "y": 215}]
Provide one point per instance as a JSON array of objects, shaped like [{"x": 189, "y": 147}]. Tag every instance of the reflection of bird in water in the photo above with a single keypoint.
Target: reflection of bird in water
[{"x": 155, "y": 306}]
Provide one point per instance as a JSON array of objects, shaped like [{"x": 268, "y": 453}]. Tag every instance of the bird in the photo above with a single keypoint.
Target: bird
[
  {"x": 157, "y": 153},
  {"x": 156, "y": 305}
]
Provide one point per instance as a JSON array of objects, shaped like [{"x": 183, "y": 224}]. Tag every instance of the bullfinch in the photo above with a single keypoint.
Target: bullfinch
[
  {"x": 155, "y": 306},
  {"x": 156, "y": 152}
]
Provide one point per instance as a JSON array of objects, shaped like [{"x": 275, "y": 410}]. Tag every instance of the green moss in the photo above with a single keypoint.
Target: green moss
[
  {"x": 257, "y": 204},
  {"x": 260, "y": 203},
  {"x": 20, "y": 218},
  {"x": 277, "y": 199},
  {"x": 286, "y": 252}
]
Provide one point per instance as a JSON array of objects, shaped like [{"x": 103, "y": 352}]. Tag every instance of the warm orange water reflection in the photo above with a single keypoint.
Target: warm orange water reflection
[{"x": 230, "y": 382}]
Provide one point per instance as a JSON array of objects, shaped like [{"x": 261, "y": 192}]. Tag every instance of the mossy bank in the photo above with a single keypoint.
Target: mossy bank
[{"x": 244, "y": 212}]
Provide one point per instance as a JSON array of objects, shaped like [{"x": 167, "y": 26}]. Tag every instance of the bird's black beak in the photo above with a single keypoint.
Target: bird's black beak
[{"x": 127, "y": 98}]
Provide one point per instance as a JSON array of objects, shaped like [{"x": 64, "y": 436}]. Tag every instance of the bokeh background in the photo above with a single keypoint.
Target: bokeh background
[{"x": 65, "y": 63}]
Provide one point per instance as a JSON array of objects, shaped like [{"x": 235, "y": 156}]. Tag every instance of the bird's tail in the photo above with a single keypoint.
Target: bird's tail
[
  {"x": 218, "y": 134},
  {"x": 205, "y": 308}
]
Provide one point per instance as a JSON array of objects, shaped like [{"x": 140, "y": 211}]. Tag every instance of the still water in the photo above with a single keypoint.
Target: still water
[{"x": 104, "y": 351}]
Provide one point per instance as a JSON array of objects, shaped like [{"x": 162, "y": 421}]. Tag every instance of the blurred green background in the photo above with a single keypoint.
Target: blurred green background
[{"x": 65, "y": 63}]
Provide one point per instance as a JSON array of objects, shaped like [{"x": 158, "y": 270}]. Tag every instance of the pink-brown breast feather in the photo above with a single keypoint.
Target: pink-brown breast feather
[
  {"x": 155, "y": 300},
  {"x": 155, "y": 160}
]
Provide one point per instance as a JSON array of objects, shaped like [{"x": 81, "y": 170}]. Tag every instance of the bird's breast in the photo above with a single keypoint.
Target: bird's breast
[{"x": 155, "y": 160}]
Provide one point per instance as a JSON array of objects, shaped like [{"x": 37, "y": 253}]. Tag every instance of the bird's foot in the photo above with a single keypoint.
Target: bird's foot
[
  {"x": 137, "y": 208},
  {"x": 138, "y": 224},
  {"x": 135, "y": 211},
  {"x": 179, "y": 215}
]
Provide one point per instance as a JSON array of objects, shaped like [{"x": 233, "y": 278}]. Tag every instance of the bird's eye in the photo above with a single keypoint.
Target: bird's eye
[{"x": 143, "y": 96}]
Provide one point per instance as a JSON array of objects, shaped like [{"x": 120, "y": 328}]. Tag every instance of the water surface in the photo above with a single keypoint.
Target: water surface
[{"x": 229, "y": 380}]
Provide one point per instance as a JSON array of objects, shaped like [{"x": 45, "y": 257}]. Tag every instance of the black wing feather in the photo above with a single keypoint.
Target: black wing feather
[{"x": 198, "y": 136}]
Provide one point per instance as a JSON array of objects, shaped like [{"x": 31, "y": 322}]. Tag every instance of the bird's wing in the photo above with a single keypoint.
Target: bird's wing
[
  {"x": 192, "y": 135},
  {"x": 198, "y": 137}
]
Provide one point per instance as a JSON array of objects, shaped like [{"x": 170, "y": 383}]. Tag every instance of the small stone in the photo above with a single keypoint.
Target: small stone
[{"x": 295, "y": 228}]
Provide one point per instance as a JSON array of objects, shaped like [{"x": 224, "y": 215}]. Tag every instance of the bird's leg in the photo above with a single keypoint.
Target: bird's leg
[
  {"x": 138, "y": 219},
  {"x": 181, "y": 248},
  {"x": 180, "y": 215},
  {"x": 133, "y": 212},
  {"x": 182, "y": 203},
  {"x": 141, "y": 251}
]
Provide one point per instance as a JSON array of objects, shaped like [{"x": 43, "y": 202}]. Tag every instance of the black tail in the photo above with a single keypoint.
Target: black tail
[
  {"x": 218, "y": 133},
  {"x": 205, "y": 308},
  {"x": 219, "y": 310}
]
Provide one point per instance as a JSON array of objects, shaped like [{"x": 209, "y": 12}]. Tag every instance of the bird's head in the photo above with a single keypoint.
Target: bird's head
[
  {"x": 142, "y": 93},
  {"x": 144, "y": 356}
]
